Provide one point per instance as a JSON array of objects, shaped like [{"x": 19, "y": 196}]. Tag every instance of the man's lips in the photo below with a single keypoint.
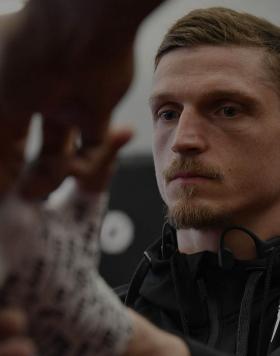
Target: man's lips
[{"x": 189, "y": 176}]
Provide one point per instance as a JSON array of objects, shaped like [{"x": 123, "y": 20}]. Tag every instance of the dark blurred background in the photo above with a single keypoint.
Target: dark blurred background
[{"x": 134, "y": 219}]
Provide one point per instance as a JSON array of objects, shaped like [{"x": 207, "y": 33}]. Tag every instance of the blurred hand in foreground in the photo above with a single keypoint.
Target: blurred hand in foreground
[
  {"x": 71, "y": 60},
  {"x": 61, "y": 156},
  {"x": 148, "y": 340}
]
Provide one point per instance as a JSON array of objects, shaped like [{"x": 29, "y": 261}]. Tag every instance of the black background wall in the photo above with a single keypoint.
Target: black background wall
[{"x": 134, "y": 219}]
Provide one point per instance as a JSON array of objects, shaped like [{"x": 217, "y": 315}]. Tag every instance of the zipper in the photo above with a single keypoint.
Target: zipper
[{"x": 276, "y": 325}]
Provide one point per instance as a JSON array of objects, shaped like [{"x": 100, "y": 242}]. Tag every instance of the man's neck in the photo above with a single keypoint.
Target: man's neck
[
  {"x": 192, "y": 241},
  {"x": 265, "y": 224}
]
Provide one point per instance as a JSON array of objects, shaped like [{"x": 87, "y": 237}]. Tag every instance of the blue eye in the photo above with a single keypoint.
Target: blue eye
[
  {"x": 168, "y": 115},
  {"x": 228, "y": 111}
]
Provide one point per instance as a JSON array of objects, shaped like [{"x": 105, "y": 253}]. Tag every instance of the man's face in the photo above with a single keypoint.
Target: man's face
[{"x": 216, "y": 136}]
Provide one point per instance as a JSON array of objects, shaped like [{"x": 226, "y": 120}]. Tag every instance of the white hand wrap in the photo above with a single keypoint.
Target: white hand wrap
[{"x": 49, "y": 261}]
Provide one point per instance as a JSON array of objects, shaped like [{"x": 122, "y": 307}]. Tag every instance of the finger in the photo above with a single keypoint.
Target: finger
[
  {"x": 13, "y": 134},
  {"x": 47, "y": 172},
  {"x": 114, "y": 141},
  {"x": 12, "y": 322},
  {"x": 95, "y": 168},
  {"x": 58, "y": 138},
  {"x": 17, "y": 347},
  {"x": 97, "y": 158},
  {"x": 94, "y": 131}
]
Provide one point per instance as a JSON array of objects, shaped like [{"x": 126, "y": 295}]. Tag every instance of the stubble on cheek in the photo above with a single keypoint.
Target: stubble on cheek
[
  {"x": 181, "y": 214},
  {"x": 185, "y": 216},
  {"x": 187, "y": 212},
  {"x": 186, "y": 209}
]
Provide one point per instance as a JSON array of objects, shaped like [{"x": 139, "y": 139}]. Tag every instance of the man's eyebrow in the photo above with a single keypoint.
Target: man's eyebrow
[
  {"x": 229, "y": 93},
  {"x": 160, "y": 97},
  {"x": 207, "y": 95}
]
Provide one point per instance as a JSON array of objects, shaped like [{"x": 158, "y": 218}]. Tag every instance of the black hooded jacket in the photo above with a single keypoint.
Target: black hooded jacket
[{"x": 213, "y": 301}]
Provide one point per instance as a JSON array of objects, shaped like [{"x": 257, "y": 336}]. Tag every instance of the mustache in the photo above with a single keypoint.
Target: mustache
[{"x": 194, "y": 167}]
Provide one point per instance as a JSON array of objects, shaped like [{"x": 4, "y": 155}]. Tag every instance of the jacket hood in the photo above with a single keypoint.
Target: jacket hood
[{"x": 213, "y": 291}]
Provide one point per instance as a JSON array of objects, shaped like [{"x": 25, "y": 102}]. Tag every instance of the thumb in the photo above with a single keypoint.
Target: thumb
[{"x": 94, "y": 167}]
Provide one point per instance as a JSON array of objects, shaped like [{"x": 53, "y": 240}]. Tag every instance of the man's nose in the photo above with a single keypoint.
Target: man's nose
[{"x": 190, "y": 134}]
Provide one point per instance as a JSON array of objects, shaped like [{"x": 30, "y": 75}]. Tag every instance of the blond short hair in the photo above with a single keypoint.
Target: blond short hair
[{"x": 220, "y": 26}]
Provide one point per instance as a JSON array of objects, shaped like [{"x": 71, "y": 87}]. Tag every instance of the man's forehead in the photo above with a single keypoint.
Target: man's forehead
[
  {"x": 214, "y": 67},
  {"x": 208, "y": 93}
]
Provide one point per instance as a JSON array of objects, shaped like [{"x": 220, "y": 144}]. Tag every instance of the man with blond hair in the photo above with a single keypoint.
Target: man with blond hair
[
  {"x": 213, "y": 277},
  {"x": 53, "y": 61}
]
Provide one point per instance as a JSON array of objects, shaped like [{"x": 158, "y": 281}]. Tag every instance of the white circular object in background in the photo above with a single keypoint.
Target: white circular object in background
[{"x": 117, "y": 232}]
